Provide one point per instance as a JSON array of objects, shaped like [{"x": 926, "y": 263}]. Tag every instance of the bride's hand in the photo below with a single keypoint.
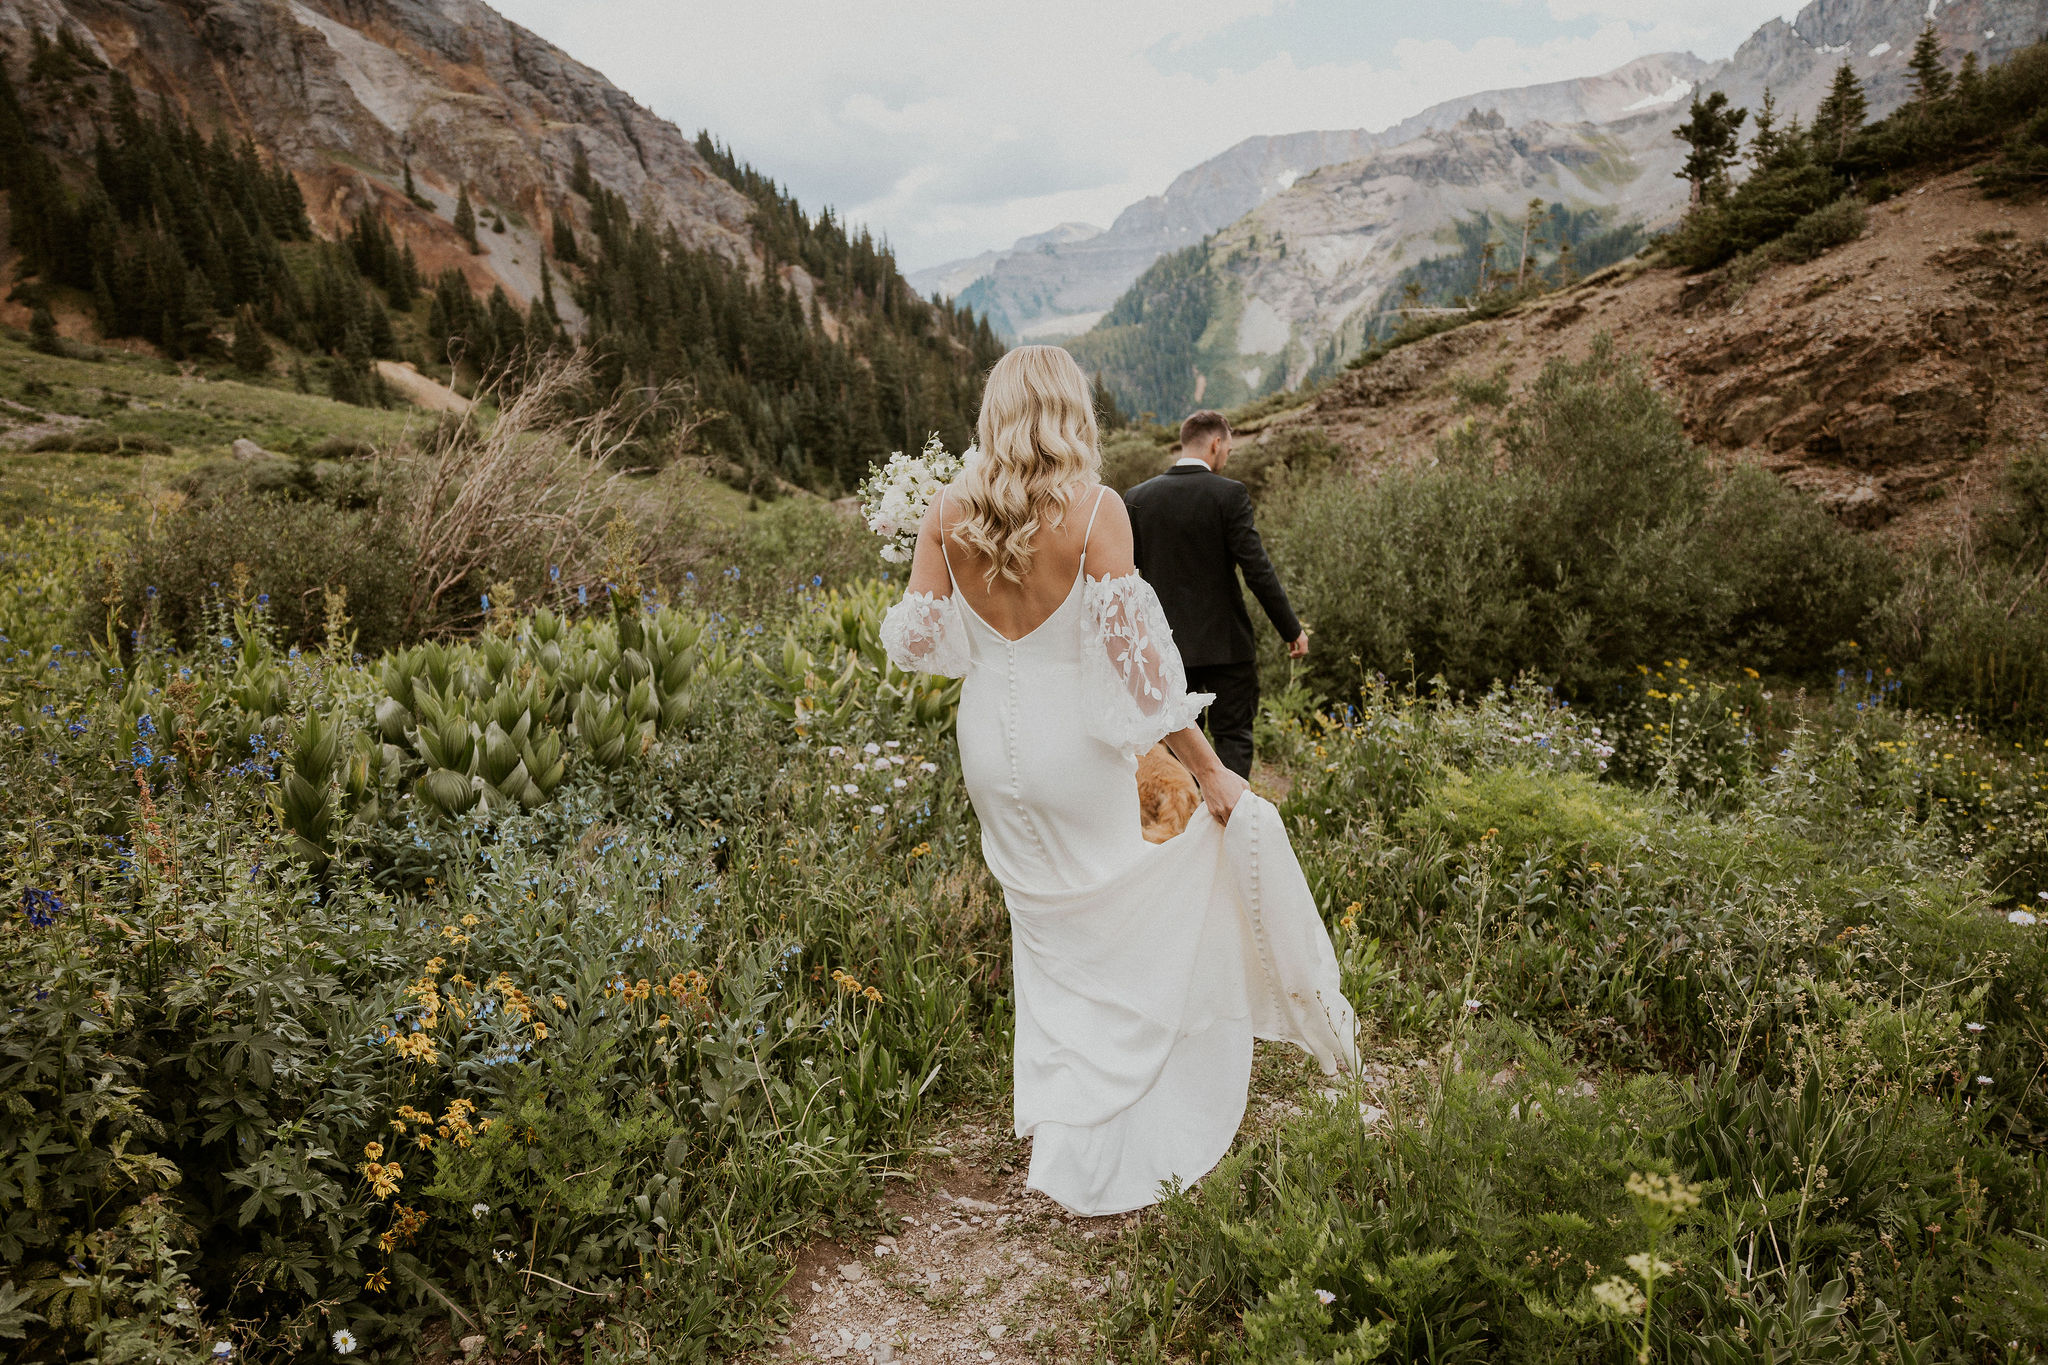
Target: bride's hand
[{"x": 1220, "y": 790}]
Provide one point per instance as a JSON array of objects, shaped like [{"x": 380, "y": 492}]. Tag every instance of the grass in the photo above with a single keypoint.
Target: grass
[{"x": 199, "y": 413}]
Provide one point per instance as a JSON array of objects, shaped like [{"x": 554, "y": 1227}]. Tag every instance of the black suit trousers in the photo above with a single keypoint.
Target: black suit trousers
[{"x": 1229, "y": 717}]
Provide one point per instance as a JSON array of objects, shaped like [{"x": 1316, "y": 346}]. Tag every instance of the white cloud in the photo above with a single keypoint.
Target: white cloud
[{"x": 952, "y": 126}]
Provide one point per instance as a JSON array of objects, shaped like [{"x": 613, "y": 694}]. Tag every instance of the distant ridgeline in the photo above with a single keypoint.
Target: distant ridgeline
[
  {"x": 199, "y": 246},
  {"x": 1149, "y": 346}
]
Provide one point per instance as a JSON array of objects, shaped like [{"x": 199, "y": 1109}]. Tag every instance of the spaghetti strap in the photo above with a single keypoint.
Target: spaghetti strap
[
  {"x": 1091, "y": 527},
  {"x": 948, "y": 554}
]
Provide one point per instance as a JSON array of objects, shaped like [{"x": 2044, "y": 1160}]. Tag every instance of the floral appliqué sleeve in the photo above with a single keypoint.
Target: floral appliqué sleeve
[
  {"x": 924, "y": 634},
  {"x": 1137, "y": 687}
]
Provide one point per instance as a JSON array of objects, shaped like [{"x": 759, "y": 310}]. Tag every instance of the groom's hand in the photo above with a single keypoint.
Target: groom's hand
[{"x": 1297, "y": 648}]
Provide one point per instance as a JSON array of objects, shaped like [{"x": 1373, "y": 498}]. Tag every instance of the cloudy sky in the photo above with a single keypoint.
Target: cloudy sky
[{"x": 953, "y": 126}]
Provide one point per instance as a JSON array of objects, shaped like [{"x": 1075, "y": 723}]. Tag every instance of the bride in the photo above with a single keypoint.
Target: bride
[{"x": 1142, "y": 971}]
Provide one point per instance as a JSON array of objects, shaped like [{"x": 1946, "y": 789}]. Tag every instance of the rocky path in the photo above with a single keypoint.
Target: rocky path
[{"x": 974, "y": 1267}]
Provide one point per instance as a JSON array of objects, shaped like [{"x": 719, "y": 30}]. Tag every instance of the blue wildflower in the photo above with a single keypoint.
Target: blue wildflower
[{"x": 41, "y": 906}]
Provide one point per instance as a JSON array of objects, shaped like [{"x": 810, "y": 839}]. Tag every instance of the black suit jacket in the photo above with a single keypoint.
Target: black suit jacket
[{"x": 1193, "y": 531}]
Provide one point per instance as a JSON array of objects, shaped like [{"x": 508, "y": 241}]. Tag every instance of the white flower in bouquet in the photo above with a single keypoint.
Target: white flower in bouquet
[{"x": 894, "y": 497}]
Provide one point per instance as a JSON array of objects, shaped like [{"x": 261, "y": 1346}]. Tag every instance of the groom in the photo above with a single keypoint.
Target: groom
[{"x": 1193, "y": 531}]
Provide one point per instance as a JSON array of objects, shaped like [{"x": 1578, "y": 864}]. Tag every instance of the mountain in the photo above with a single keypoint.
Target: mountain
[
  {"x": 1297, "y": 281},
  {"x": 500, "y": 195},
  {"x": 956, "y": 276},
  {"x": 344, "y": 94},
  {"x": 1031, "y": 293},
  {"x": 1892, "y": 378}
]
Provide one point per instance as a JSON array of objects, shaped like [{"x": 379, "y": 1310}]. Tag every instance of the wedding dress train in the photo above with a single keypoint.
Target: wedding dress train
[{"x": 1142, "y": 971}]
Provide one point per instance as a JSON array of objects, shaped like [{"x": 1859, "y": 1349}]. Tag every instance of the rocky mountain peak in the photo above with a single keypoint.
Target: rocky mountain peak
[
  {"x": 1629, "y": 110},
  {"x": 348, "y": 92}
]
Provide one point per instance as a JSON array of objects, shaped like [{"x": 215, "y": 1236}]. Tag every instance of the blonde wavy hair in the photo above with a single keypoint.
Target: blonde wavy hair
[{"x": 1039, "y": 448}]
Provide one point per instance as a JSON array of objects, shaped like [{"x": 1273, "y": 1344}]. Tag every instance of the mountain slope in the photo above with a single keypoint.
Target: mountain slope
[
  {"x": 1892, "y": 377},
  {"x": 1310, "y": 267},
  {"x": 344, "y": 94},
  {"x": 493, "y": 188}
]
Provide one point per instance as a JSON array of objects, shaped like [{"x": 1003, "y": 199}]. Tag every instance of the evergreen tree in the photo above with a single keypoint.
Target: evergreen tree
[
  {"x": 565, "y": 240},
  {"x": 1710, "y": 132},
  {"x": 1566, "y": 273},
  {"x": 42, "y": 331},
  {"x": 250, "y": 352},
  {"x": 579, "y": 172},
  {"x": 1931, "y": 78},
  {"x": 1108, "y": 415},
  {"x": 1532, "y": 220},
  {"x": 1840, "y": 115},
  {"x": 1766, "y": 139},
  {"x": 547, "y": 291},
  {"x": 412, "y": 191},
  {"x": 1970, "y": 82},
  {"x": 196, "y": 319},
  {"x": 351, "y": 379},
  {"x": 1487, "y": 256},
  {"x": 465, "y": 221}
]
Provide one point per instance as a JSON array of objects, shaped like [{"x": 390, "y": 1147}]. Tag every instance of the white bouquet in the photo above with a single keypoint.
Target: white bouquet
[{"x": 896, "y": 494}]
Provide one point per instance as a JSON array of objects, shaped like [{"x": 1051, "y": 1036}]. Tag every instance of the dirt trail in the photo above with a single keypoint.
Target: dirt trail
[
  {"x": 979, "y": 1269},
  {"x": 420, "y": 390}
]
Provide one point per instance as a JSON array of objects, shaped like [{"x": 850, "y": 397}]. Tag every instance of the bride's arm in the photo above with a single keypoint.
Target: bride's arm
[
  {"x": 922, "y": 632},
  {"x": 928, "y": 564},
  {"x": 1111, "y": 556}
]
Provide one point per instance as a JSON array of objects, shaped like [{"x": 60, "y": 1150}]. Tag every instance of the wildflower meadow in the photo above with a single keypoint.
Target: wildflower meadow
[{"x": 543, "y": 988}]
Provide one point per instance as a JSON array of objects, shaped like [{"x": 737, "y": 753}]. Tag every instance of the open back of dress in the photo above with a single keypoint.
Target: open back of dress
[{"x": 1143, "y": 971}]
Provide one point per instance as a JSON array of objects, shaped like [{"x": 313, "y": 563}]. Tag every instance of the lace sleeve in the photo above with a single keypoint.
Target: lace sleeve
[
  {"x": 924, "y": 634},
  {"x": 1137, "y": 689}
]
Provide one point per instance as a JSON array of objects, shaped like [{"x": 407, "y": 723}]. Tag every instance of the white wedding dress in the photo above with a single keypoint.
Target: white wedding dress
[{"x": 1142, "y": 971}]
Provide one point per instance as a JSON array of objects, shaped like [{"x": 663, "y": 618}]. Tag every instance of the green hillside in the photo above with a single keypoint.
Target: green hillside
[{"x": 105, "y": 423}]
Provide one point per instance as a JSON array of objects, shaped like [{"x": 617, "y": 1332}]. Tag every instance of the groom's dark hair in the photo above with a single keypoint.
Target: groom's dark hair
[{"x": 1199, "y": 428}]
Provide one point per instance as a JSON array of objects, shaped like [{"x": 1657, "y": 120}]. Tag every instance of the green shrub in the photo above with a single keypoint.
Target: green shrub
[
  {"x": 766, "y": 567},
  {"x": 1129, "y": 457},
  {"x": 342, "y": 448},
  {"x": 1576, "y": 537},
  {"x": 1968, "y": 627},
  {"x": 1823, "y": 230},
  {"x": 1271, "y": 460},
  {"x": 92, "y": 440},
  {"x": 284, "y": 553},
  {"x": 1523, "y": 814},
  {"x": 1762, "y": 209},
  {"x": 359, "y": 1053}
]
